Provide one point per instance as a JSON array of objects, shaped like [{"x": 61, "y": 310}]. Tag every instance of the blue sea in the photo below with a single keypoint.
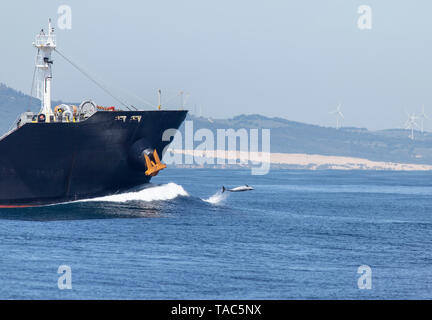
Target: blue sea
[{"x": 298, "y": 235}]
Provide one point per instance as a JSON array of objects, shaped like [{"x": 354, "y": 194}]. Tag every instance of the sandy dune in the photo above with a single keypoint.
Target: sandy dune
[{"x": 301, "y": 161}]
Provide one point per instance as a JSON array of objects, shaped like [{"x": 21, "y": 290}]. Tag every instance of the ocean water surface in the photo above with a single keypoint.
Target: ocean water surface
[{"x": 298, "y": 235}]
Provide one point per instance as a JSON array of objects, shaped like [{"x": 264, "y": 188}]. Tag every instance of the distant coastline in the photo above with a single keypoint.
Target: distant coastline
[
  {"x": 293, "y": 144},
  {"x": 295, "y": 161}
]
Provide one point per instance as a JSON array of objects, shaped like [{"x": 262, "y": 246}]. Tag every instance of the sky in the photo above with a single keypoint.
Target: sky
[{"x": 292, "y": 59}]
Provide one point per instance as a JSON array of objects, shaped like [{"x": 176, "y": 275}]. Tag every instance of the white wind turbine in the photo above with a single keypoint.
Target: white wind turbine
[
  {"x": 423, "y": 116},
  {"x": 339, "y": 115},
  {"x": 411, "y": 123}
]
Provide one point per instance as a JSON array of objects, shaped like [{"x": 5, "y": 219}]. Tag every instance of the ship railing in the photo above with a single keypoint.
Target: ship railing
[
  {"x": 40, "y": 61},
  {"x": 12, "y": 128},
  {"x": 44, "y": 39}
]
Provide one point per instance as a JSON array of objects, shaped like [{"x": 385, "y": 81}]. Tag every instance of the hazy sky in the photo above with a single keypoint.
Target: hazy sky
[{"x": 293, "y": 59}]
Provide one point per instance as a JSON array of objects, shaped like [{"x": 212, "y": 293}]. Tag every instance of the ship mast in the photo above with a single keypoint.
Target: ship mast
[{"x": 46, "y": 44}]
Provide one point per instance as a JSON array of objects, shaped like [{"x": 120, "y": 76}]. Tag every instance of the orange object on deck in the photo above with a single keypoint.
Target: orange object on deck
[
  {"x": 153, "y": 167},
  {"x": 106, "y": 108}
]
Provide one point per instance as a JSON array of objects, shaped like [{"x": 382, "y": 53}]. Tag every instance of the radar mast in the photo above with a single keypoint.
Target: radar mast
[{"x": 46, "y": 44}]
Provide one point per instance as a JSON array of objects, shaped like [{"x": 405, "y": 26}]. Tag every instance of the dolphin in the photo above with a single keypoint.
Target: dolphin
[{"x": 238, "y": 189}]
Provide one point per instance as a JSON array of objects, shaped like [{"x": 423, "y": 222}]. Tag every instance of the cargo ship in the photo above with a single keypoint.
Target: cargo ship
[{"x": 73, "y": 152}]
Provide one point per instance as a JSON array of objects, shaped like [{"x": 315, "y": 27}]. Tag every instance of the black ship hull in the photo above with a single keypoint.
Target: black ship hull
[{"x": 46, "y": 163}]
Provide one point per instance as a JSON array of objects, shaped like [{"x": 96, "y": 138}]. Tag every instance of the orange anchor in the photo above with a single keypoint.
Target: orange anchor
[{"x": 153, "y": 167}]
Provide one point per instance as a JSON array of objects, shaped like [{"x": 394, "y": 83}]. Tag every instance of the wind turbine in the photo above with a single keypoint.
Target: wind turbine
[
  {"x": 159, "y": 106},
  {"x": 411, "y": 123},
  {"x": 423, "y": 116},
  {"x": 339, "y": 115}
]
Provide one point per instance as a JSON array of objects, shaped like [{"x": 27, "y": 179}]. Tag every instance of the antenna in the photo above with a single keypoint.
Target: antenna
[
  {"x": 339, "y": 115},
  {"x": 159, "y": 99}
]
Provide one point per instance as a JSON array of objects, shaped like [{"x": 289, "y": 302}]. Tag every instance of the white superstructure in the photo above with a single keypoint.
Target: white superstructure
[{"x": 46, "y": 44}]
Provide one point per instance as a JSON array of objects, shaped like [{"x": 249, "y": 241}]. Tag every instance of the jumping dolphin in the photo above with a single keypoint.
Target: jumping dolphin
[{"x": 238, "y": 189}]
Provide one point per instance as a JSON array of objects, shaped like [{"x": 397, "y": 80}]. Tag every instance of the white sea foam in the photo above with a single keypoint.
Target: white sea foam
[
  {"x": 158, "y": 193},
  {"x": 217, "y": 198}
]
